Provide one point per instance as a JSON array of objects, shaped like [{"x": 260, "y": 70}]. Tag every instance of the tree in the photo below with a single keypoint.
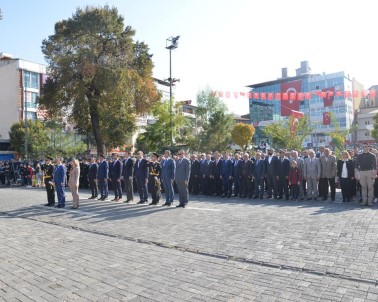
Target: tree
[
  {"x": 37, "y": 138},
  {"x": 242, "y": 134},
  {"x": 208, "y": 104},
  {"x": 213, "y": 123},
  {"x": 282, "y": 133},
  {"x": 99, "y": 78},
  {"x": 157, "y": 135},
  {"x": 374, "y": 132},
  {"x": 217, "y": 133}
]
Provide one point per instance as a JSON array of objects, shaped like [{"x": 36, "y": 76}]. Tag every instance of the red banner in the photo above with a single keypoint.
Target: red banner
[
  {"x": 326, "y": 118},
  {"x": 329, "y": 96},
  {"x": 290, "y": 88}
]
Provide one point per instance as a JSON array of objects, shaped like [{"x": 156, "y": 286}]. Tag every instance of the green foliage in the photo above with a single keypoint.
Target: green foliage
[
  {"x": 213, "y": 122},
  {"x": 216, "y": 134},
  {"x": 37, "y": 138},
  {"x": 242, "y": 134},
  {"x": 157, "y": 136},
  {"x": 374, "y": 132},
  {"x": 62, "y": 143},
  {"x": 99, "y": 77},
  {"x": 283, "y": 136}
]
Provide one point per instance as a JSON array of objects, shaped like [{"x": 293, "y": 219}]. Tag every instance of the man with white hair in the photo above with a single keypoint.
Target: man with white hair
[{"x": 312, "y": 175}]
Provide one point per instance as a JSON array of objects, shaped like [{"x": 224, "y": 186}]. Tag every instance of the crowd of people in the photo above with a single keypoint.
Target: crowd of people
[{"x": 291, "y": 175}]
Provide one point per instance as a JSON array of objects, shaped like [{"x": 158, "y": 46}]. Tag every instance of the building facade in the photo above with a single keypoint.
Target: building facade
[
  {"x": 264, "y": 111},
  {"x": 20, "y": 87}
]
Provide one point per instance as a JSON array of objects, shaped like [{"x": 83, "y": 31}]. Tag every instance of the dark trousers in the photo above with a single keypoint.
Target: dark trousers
[
  {"x": 61, "y": 194},
  {"x": 93, "y": 185},
  {"x": 283, "y": 188},
  {"x": 168, "y": 189},
  {"x": 154, "y": 188},
  {"x": 209, "y": 186},
  {"x": 194, "y": 185},
  {"x": 129, "y": 188},
  {"x": 294, "y": 188},
  {"x": 323, "y": 185},
  {"x": 50, "y": 193},
  {"x": 217, "y": 185},
  {"x": 238, "y": 187},
  {"x": 259, "y": 187},
  {"x": 103, "y": 187},
  {"x": 346, "y": 188},
  {"x": 117, "y": 189},
  {"x": 142, "y": 189},
  {"x": 182, "y": 192},
  {"x": 271, "y": 182}
]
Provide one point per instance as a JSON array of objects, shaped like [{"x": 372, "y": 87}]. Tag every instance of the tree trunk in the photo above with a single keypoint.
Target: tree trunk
[{"x": 95, "y": 121}]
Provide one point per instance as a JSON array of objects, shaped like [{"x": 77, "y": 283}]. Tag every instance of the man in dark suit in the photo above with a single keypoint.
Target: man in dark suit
[
  {"x": 217, "y": 181},
  {"x": 226, "y": 175},
  {"x": 127, "y": 174},
  {"x": 141, "y": 175},
  {"x": 168, "y": 170},
  {"x": 194, "y": 175},
  {"x": 258, "y": 176},
  {"x": 182, "y": 179},
  {"x": 208, "y": 176},
  {"x": 270, "y": 172},
  {"x": 238, "y": 177},
  {"x": 102, "y": 177},
  {"x": 116, "y": 178},
  {"x": 92, "y": 177},
  {"x": 60, "y": 182},
  {"x": 283, "y": 168}
]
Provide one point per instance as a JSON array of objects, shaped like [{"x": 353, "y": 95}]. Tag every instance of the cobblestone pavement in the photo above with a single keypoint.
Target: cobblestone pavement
[{"x": 213, "y": 250}]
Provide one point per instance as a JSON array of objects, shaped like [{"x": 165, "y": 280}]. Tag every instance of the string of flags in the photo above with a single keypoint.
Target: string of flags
[{"x": 295, "y": 96}]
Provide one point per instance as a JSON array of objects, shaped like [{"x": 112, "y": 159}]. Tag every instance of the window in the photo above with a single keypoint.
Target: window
[
  {"x": 367, "y": 122},
  {"x": 31, "y": 80},
  {"x": 31, "y": 99},
  {"x": 31, "y": 115}
]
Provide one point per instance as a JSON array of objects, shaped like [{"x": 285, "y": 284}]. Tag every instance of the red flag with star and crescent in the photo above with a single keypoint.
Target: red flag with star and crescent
[
  {"x": 329, "y": 96},
  {"x": 287, "y": 105},
  {"x": 326, "y": 118}
]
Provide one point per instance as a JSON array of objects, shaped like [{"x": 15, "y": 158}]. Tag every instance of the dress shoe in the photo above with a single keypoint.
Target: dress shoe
[
  {"x": 101, "y": 198},
  {"x": 128, "y": 200},
  {"x": 47, "y": 205},
  {"x": 106, "y": 199},
  {"x": 152, "y": 204},
  {"x": 115, "y": 199},
  {"x": 74, "y": 208},
  {"x": 167, "y": 204},
  {"x": 180, "y": 206},
  {"x": 59, "y": 206},
  {"x": 92, "y": 197},
  {"x": 310, "y": 198}
]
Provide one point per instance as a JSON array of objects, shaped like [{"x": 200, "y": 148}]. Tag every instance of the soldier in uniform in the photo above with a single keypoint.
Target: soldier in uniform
[
  {"x": 48, "y": 179},
  {"x": 154, "y": 182}
]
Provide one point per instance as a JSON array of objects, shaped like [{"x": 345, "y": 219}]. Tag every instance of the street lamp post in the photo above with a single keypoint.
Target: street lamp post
[
  {"x": 171, "y": 43},
  {"x": 26, "y": 124}
]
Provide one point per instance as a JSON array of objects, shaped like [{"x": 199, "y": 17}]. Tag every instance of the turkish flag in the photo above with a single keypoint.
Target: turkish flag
[
  {"x": 339, "y": 93},
  {"x": 278, "y": 96},
  {"x": 300, "y": 96},
  {"x": 270, "y": 96},
  {"x": 249, "y": 94},
  {"x": 242, "y": 93},
  {"x": 286, "y": 104},
  {"x": 307, "y": 95},
  {"x": 227, "y": 94},
  {"x": 263, "y": 95},
  {"x": 329, "y": 97},
  {"x": 326, "y": 118},
  {"x": 220, "y": 94},
  {"x": 372, "y": 93},
  {"x": 236, "y": 95},
  {"x": 256, "y": 95},
  {"x": 363, "y": 93}
]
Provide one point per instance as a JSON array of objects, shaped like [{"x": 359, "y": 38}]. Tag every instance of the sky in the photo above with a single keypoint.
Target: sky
[{"x": 224, "y": 45}]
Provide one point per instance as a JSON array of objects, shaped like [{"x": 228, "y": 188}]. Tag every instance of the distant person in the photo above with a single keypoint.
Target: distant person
[
  {"x": 92, "y": 177},
  {"x": 60, "y": 182},
  {"x": 366, "y": 165},
  {"x": 345, "y": 174},
  {"x": 127, "y": 174},
  {"x": 49, "y": 182},
  {"x": 168, "y": 171},
  {"x": 141, "y": 175},
  {"x": 182, "y": 178},
  {"x": 73, "y": 182},
  {"x": 102, "y": 177}
]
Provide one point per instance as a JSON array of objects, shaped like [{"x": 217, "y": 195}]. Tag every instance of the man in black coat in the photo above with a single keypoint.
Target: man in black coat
[
  {"x": 127, "y": 174},
  {"x": 141, "y": 175},
  {"x": 283, "y": 168},
  {"x": 116, "y": 178},
  {"x": 270, "y": 172},
  {"x": 92, "y": 177},
  {"x": 194, "y": 175}
]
